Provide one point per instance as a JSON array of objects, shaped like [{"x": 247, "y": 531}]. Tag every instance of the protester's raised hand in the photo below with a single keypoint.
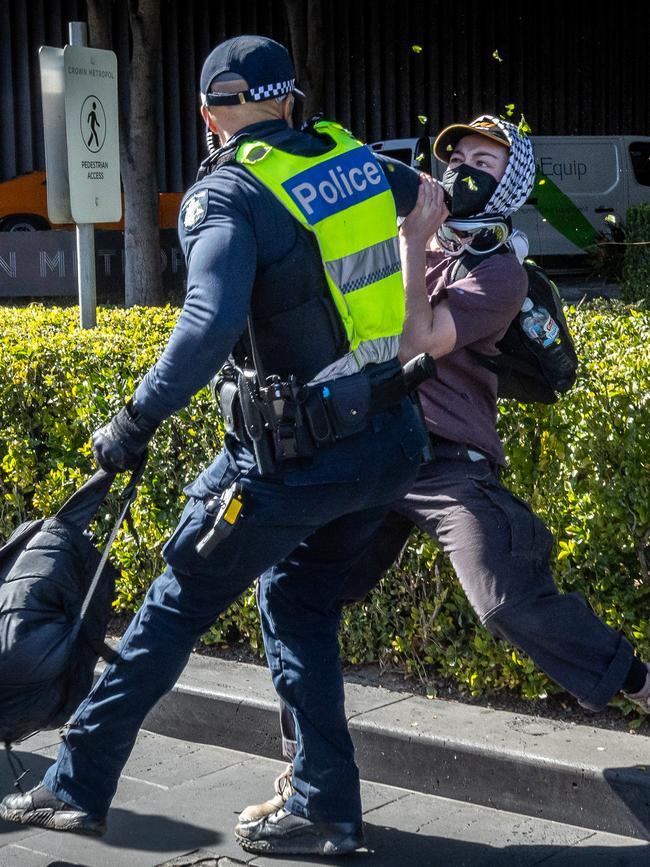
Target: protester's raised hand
[{"x": 429, "y": 212}]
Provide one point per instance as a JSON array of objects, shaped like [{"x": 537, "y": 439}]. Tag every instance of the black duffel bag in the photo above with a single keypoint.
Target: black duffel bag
[{"x": 56, "y": 591}]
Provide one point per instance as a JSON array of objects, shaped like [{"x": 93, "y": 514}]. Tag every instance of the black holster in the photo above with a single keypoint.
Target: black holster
[
  {"x": 255, "y": 428},
  {"x": 284, "y": 421}
]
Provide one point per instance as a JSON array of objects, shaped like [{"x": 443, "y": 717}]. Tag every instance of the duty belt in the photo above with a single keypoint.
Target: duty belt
[{"x": 284, "y": 421}]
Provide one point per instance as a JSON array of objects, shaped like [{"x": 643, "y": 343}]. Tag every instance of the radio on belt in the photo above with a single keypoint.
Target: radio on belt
[{"x": 228, "y": 510}]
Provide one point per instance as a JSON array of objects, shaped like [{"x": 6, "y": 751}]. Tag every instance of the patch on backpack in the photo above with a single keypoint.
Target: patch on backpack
[{"x": 195, "y": 209}]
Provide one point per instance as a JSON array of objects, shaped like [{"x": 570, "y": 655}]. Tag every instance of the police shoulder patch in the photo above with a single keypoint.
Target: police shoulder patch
[{"x": 195, "y": 209}]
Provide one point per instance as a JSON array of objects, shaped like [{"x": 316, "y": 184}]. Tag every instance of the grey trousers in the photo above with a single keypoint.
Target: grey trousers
[{"x": 501, "y": 552}]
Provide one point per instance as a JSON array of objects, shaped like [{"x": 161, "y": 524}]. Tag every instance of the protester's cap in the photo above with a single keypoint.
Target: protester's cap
[
  {"x": 264, "y": 64},
  {"x": 519, "y": 176},
  {"x": 447, "y": 140}
]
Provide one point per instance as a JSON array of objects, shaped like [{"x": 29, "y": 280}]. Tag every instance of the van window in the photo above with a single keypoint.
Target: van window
[
  {"x": 640, "y": 155},
  {"x": 404, "y": 155}
]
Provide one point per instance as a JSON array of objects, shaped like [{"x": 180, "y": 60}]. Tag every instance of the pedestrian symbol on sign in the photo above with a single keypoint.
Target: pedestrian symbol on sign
[{"x": 93, "y": 123}]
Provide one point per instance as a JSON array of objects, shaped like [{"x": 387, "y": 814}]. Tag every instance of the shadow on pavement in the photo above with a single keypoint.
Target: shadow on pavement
[
  {"x": 132, "y": 830},
  {"x": 389, "y": 847},
  {"x": 127, "y": 829},
  {"x": 631, "y": 786}
]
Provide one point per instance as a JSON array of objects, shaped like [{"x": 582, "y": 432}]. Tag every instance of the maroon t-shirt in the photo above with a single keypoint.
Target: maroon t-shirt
[{"x": 460, "y": 403}]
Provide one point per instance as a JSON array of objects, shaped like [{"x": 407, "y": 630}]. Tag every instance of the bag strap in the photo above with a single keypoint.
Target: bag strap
[
  {"x": 83, "y": 505},
  {"x": 128, "y": 496},
  {"x": 467, "y": 260},
  {"x": 496, "y": 363}
]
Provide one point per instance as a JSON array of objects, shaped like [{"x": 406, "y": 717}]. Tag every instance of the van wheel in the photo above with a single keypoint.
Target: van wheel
[{"x": 25, "y": 223}]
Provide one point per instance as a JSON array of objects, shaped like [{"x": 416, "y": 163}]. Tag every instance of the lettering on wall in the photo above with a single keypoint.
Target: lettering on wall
[
  {"x": 8, "y": 265},
  {"x": 43, "y": 264},
  {"x": 49, "y": 263}
]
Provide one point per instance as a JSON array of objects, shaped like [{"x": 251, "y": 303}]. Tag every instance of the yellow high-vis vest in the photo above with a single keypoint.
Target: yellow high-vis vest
[{"x": 343, "y": 197}]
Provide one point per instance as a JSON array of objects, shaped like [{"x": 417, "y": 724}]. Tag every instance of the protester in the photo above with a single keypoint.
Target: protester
[
  {"x": 321, "y": 437},
  {"x": 499, "y": 548}
]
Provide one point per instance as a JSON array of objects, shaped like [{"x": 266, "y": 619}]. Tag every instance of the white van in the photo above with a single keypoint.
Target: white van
[{"x": 600, "y": 174}]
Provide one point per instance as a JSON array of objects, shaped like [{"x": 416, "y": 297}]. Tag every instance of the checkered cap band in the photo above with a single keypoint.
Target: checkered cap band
[
  {"x": 268, "y": 91},
  {"x": 519, "y": 177}
]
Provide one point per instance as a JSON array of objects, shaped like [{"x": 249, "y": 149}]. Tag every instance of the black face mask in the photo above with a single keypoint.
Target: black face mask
[{"x": 469, "y": 189}]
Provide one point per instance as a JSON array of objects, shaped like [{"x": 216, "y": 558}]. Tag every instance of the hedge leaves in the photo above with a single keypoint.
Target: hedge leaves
[{"x": 584, "y": 464}]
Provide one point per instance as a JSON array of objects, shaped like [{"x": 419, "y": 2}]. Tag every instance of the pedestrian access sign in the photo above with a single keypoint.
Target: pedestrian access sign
[{"x": 91, "y": 122}]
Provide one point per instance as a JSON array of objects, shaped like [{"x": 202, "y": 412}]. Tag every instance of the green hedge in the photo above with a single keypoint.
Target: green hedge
[
  {"x": 583, "y": 463},
  {"x": 636, "y": 263}
]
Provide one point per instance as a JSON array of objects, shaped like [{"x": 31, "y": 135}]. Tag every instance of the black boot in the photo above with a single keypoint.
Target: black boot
[{"x": 42, "y": 808}]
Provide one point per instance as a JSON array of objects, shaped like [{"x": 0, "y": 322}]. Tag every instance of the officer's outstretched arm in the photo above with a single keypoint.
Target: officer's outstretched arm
[
  {"x": 404, "y": 183},
  {"x": 221, "y": 266}
]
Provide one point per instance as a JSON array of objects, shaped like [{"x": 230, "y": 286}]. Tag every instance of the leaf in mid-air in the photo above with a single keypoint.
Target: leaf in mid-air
[
  {"x": 496, "y": 56},
  {"x": 416, "y": 49},
  {"x": 422, "y": 118},
  {"x": 523, "y": 128}
]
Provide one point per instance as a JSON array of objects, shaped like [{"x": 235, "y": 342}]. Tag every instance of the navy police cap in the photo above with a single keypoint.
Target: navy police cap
[{"x": 264, "y": 64}]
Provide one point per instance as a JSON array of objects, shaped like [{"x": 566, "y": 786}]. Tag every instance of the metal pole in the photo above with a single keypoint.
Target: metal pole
[{"x": 86, "y": 278}]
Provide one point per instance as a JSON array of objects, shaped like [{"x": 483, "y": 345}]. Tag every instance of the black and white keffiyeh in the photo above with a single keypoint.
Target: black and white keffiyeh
[{"x": 519, "y": 177}]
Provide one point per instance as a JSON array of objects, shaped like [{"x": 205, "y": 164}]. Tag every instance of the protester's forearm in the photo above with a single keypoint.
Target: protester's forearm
[
  {"x": 418, "y": 321},
  {"x": 426, "y": 328}
]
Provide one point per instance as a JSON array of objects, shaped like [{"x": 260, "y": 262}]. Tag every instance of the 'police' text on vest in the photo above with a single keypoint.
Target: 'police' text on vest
[{"x": 335, "y": 184}]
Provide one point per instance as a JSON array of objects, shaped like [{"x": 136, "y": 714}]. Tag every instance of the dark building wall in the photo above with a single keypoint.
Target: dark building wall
[
  {"x": 24, "y": 27},
  {"x": 572, "y": 68}
]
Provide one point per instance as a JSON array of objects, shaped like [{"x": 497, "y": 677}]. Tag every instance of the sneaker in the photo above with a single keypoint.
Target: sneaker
[
  {"x": 283, "y": 833},
  {"x": 42, "y": 808},
  {"x": 283, "y": 791},
  {"x": 642, "y": 697}
]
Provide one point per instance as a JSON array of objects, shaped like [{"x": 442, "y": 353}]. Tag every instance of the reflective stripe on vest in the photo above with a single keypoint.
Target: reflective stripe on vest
[{"x": 343, "y": 197}]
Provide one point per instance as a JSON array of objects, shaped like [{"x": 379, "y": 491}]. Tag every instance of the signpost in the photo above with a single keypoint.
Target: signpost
[{"x": 79, "y": 87}]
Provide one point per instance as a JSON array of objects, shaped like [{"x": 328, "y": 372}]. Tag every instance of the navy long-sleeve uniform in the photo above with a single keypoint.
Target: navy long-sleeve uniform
[
  {"x": 313, "y": 521},
  {"x": 231, "y": 227}
]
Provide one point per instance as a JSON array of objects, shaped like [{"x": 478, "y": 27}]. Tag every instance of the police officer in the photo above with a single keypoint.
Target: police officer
[{"x": 293, "y": 274}]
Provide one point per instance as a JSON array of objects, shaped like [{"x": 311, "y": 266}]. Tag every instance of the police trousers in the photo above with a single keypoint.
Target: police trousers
[
  {"x": 314, "y": 523},
  {"x": 500, "y": 551}
]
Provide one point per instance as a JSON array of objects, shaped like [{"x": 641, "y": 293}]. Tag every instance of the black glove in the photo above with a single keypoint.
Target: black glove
[{"x": 119, "y": 445}]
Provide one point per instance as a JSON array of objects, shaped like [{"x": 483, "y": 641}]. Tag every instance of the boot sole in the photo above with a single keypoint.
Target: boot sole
[
  {"x": 306, "y": 846},
  {"x": 55, "y": 820}
]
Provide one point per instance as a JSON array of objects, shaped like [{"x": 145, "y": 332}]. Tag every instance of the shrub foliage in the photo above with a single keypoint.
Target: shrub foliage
[
  {"x": 636, "y": 263},
  {"x": 584, "y": 464}
]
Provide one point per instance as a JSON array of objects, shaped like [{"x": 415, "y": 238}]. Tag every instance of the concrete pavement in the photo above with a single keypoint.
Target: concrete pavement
[
  {"x": 593, "y": 778},
  {"x": 177, "y": 804}
]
